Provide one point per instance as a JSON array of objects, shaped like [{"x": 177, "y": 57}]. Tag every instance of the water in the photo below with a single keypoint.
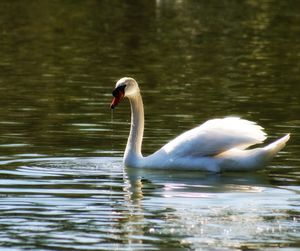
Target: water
[{"x": 62, "y": 182}]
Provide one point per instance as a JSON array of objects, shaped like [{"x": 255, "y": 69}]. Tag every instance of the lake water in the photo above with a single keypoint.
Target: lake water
[{"x": 62, "y": 182}]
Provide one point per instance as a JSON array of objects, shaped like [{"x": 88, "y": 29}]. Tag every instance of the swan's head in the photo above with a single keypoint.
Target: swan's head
[{"x": 125, "y": 87}]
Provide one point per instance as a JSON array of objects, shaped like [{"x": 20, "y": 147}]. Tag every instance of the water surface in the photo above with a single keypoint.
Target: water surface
[{"x": 62, "y": 182}]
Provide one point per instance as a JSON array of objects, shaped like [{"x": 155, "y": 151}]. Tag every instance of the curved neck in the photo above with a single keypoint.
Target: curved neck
[{"x": 134, "y": 144}]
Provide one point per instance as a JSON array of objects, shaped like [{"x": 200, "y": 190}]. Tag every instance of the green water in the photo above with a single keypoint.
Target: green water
[{"x": 62, "y": 182}]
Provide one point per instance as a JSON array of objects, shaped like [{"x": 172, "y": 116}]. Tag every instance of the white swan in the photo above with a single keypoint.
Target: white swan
[{"x": 216, "y": 145}]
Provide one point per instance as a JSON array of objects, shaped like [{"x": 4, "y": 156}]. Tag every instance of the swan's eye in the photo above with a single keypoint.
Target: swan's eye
[{"x": 120, "y": 88}]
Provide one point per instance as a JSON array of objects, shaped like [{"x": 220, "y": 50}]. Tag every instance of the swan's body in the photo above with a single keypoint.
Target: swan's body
[{"x": 216, "y": 145}]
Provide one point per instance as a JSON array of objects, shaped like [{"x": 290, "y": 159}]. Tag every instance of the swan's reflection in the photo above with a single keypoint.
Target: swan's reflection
[{"x": 191, "y": 184}]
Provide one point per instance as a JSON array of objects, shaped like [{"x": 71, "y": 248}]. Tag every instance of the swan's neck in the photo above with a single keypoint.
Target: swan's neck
[{"x": 134, "y": 144}]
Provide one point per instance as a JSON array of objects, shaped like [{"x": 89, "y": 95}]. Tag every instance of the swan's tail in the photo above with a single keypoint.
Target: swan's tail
[
  {"x": 253, "y": 159},
  {"x": 273, "y": 148}
]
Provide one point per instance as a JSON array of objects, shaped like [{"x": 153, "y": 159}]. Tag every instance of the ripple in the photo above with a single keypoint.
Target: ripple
[
  {"x": 94, "y": 202},
  {"x": 14, "y": 145}
]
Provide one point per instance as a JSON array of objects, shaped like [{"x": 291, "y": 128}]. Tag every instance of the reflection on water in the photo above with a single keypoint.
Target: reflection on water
[
  {"x": 92, "y": 203},
  {"x": 194, "y": 60}
]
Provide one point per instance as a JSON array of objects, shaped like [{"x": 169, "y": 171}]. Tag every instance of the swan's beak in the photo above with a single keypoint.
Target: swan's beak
[{"x": 118, "y": 94}]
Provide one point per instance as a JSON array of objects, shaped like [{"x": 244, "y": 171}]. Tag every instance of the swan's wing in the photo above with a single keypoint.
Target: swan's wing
[{"x": 216, "y": 136}]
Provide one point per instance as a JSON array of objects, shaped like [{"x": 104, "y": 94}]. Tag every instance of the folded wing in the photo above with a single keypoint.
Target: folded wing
[{"x": 214, "y": 137}]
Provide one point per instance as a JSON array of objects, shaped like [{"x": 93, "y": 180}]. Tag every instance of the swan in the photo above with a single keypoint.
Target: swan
[{"x": 215, "y": 146}]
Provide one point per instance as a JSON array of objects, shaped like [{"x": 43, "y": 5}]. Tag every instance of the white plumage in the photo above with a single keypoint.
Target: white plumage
[
  {"x": 216, "y": 145},
  {"x": 216, "y": 136}
]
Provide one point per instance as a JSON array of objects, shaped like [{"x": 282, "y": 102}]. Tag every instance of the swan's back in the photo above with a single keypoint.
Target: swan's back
[{"x": 214, "y": 137}]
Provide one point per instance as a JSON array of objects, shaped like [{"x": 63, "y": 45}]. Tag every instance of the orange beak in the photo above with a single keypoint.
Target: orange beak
[{"x": 118, "y": 94}]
